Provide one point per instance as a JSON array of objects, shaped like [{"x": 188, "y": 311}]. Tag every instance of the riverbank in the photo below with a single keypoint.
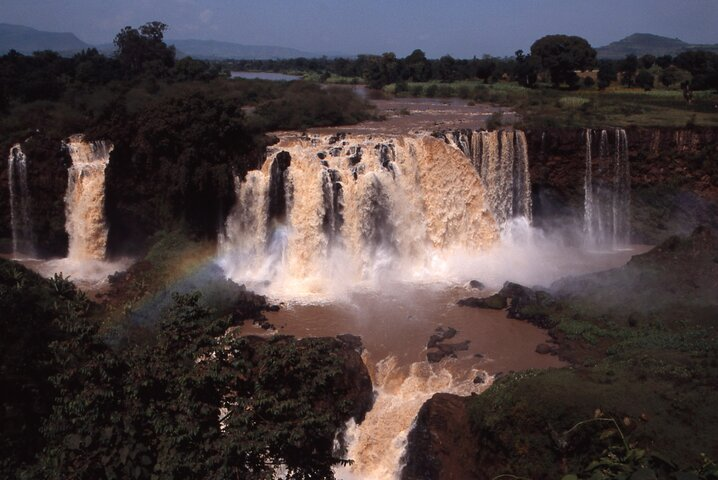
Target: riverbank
[{"x": 641, "y": 340}]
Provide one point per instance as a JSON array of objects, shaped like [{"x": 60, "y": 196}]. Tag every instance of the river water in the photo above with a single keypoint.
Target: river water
[{"x": 395, "y": 323}]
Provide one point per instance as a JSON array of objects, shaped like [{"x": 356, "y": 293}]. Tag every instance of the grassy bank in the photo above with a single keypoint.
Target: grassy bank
[{"x": 639, "y": 397}]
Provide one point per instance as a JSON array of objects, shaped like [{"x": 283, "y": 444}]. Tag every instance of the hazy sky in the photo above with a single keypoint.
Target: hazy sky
[{"x": 462, "y": 28}]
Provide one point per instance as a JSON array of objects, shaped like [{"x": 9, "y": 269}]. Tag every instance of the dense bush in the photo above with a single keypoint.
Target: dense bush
[
  {"x": 303, "y": 105},
  {"x": 33, "y": 311},
  {"x": 182, "y": 401}
]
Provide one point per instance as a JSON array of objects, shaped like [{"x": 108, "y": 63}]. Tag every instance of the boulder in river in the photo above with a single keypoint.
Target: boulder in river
[{"x": 494, "y": 302}]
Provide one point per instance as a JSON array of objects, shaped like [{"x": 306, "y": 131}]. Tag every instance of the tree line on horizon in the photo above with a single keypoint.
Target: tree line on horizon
[{"x": 553, "y": 59}]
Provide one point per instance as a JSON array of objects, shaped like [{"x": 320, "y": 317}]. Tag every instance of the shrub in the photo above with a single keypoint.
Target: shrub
[
  {"x": 645, "y": 80},
  {"x": 445, "y": 91},
  {"x": 495, "y": 121},
  {"x": 572, "y": 102}
]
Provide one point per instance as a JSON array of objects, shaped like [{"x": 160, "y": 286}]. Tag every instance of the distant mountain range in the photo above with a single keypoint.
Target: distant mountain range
[
  {"x": 27, "y": 40},
  {"x": 213, "y": 50},
  {"x": 645, "y": 43}
]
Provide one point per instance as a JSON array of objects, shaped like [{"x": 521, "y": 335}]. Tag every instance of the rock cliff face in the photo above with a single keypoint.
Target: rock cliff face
[
  {"x": 47, "y": 166},
  {"x": 441, "y": 445},
  {"x": 674, "y": 187},
  {"x": 674, "y": 179}
]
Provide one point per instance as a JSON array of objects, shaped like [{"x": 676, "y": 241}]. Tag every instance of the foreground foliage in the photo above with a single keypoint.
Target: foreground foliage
[{"x": 181, "y": 399}]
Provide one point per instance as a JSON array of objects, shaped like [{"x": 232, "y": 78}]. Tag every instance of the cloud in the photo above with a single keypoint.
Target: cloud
[{"x": 206, "y": 16}]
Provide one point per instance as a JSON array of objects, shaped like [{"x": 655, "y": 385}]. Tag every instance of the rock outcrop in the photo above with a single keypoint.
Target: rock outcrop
[{"x": 440, "y": 446}]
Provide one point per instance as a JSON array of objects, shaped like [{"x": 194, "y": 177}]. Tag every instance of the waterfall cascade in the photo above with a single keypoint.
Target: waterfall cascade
[
  {"x": 326, "y": 211},
  {"x": 501, "y": 159},
  {"x": 607, "y": 190},
  {"x": 23, "y": 240},
  {"x": 377, "y": 445},
  {"x": 85, "y": 198}
]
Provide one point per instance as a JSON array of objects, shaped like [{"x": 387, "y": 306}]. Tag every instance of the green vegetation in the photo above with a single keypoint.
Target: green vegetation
[
  {"x": 181, "y": 132},
  {"x": 559, "y": 84},
  {"x": 562, "y": 55},
  {"x": 643, "y": 342},
  {"x": 169, "y": 390}
]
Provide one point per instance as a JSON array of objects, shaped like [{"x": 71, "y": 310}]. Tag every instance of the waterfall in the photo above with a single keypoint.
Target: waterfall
[
  {"x": 23, "y": 240},
  {"x": 85, "y": 198},
  {"x": 327, "y": 213},
  {"x": 522, "y": 178},
  {"x": 622, "y": 192},
  {"x": 501, "y": 159},
  {"x": 607, "y": 191},
  {"x": 378, "y": 444}
]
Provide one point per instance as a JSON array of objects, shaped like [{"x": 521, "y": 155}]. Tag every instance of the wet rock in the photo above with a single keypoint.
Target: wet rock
[
  {"x": 495, "y": 302},
  {"x": 433, "y": 341},
  {"x": 442, "y": 333},
  {"x": 446, "y": 333},
  {"x": 353, "y": 341},
  {"x": 277, "y": 185},
  {"x": 477, "y": 285},
  {"x": 336, "y": 137},
  {"x": 440, "y": 445},
  {"x": 354, "y": 154},
  {"x": 450, "y": 349},
  {"x": 479, "y": 379},
  {"x": 528, "y": 304},
  {"x": 435, "y": 356}
]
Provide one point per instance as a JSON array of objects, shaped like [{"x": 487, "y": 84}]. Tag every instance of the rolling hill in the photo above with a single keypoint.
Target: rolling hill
[
  {"x": 27, "y": 40},
  {"x": 645, "y": 43}
]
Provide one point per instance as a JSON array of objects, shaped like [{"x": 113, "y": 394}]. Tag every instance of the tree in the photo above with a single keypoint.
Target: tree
[
  {"x": 447, "y": 69},
  {"x": 485, "y": 68},
  {"x": 189, "y": 68},
  {"x": 673, "y": 75},
  {"x": 137, "y": 49},
  {"x": 664, "y": 61},
  {"x": 702, "y": 65},
  {"x": 645, "y": 80},
  {"x": 561, "y": 55},
  {"x": 526, "y": 71},
  {"x": 419, "y": 68},
  {"x": 648, "y": 60},
  {"x": 31, "y": 307},
  {"x": 606, "y": 73},
  {"x": 628, "y": 68},
  {"x": 190, "y": 402}
]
